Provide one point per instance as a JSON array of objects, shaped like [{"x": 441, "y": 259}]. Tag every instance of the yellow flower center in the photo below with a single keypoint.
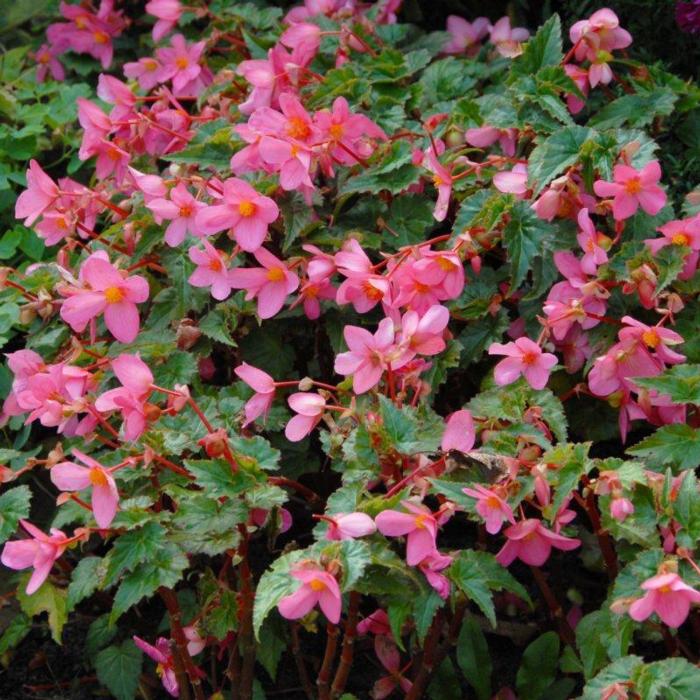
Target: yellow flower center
[
  {"x": 150, "y": 65},
  {"x": 114, "y": 295},
  {"x": 437, "y": 180},
  {"x": 100, "y": 37},
  {"x": 215, "y": 265},
  {"x": 445, "y": 264},
  {"x": 276, "y": 274},
  {"x": 182, "y": 62},
  {"x": 371, "y": 292},
  {"x": 81, "y": 22},
  {"x": 246, "y": 208},
  {"x": 297, "y": 128},
  {"x": 633, "y": 186},
  {"x": 336, "y": 131},
  {"x": 317, "y": 585},
  {"x": 651, "y": 338},
  {"x": 420, "y": 521},
  {"x": 98, "y": 477},
  {"x": 681, "y": 239},
  {"x": 44, "y": 57}
]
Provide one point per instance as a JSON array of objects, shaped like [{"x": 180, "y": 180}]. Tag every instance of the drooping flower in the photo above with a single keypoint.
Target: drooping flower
[
  {"x": 420, "y": 526},
  {"x": 47, "y": 62},
  {"x": 309, "y": 408},
  {"x": 531, "y": 542},
  {"x": 167, "y": 12},
  {"x": 523, "y": 357},
  {"x": 317, "y": 586},
  {"x": 431, "y": 566},
  {"x": 508, "y": 40},
  {"x": 68, "y": 476},
  {"x": 491, "y": 507},
  {"x": 40, "y": 194},
  {"x": 589, "y": 239},
  {"x": 668, "y": 596},
  {"x": 163, "y": 656},
  {"x": 632, "y": 189},
  {"x": 348, "y": 526},
  {"x": 465, "y": 36},
  {"x": 459, "y": 432},
  {"x": 181, "y": 210},
  {"x": 211, "y": 271},
  {"x": 264, "y": 387}
]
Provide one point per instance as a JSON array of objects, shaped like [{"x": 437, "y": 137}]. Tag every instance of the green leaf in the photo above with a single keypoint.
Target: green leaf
[
  {"x": 425, "y": 606},
  {"x": 686, "y": 510},
  {"x": 215, "y": 326},
  {"x": 670, "y": 679},
  {"x": 620, "y": 670},
  {"x": 48, "y": 599},
  {"x": 118, "y": 669},
  {"x": 210, "y": 148},
  {"x": 134, "y": 548},
  {"x": 538, "y": 667},
  {"x": 602, "y": 637},
  {"x": 410, "y": 219},
  {"x": 15, "y": 632},
  {"x": 680, "y": 382},
  {"x": 217, "y": 477},
  {"x": 635, "y": 110},
  {"x": 86, "y": 578},
  {"x": 474, "y": 659},
  {"x": 479, "y": 334},
  {"x": 677, "y": 445},
  {"x": 544, "y": 49},
  {"x": 14, "y": 505},
  {"x": 255, "y": 453}
]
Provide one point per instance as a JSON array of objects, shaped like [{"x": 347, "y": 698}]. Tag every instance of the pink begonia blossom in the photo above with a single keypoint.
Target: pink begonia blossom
[
  {"x": 41, "y": 193},
  {"x": 264, "y": 387},
  {"x": 312, "y": 291},
  {"x": 465, "y": 36},
  {"x": 96, "y": 127},
  {"x": 348, "y": 526},
  {"x": 242, "y": 209},
  {"x": 491, "y": 507},
  {"x": 362, "y": 288},
  {"x": 181, "y": 210},
  {"x": 261, "y": 516},
  {"x": 211, "y": 271},
  {"x": 431, "y": 566},
  {"x": 375, "y": 623},
  {"x": 106, "y": 291},
  {"x": 181, "y": 63},
  {"x": 485, "y": 136},
  {"x": 317, "y": 586},
  {"x": 151, "y": 186},
  {"x": 304, "y": 35},
  {"x": 523, "y": 357},
  {"x": 40, "y": 552},
  {"x": 442, "y": 270},
  {"x": 531, "y": 542},
  {"x": 47, "y": 63},
  {"x": 368, "y": 355},
  {"x": 459, "y": 432},
  {"x": 567, "y": 305},
  {"x": 512, "y": 181},
  {"x": 420, "y": 526},
  {"x": 163, "y": 656},
  {"x": 621, "y": 508},
  {"x": 589, "y": 239},
  {"x": 388, "y": 655},
  {"x": 195, "y": 643},
  {"x": 309, "y": 408},
  {"x": 442, "y": 179},
  {"x": 600, "y": 32},
  {"x": 580, "y": 77},
  {"x": 423, "y": 335},
  {"x": 68, "y": 476},
  {"x": 117, "y": 93},
  {"x": 271, "y": 284},
  {"x": 508, "y": 40},
  {"x": 129, "y": 399},
  {"x": 148, "y": 71},
  {"x": 683, "y": 232},
  {"x": 168, "y": 13},
  {"x": 632, "y": 189},
  {"x": 656, "y": 339},
  {"x": 668, "y": 596}
]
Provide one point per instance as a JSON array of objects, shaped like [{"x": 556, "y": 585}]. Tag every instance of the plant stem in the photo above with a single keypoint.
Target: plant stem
[
  {"x": 324, "y": 675},
  {"x": 299, "y": 660},
  {"x": 427, "y": 660},
  {"x": 348, "y": 648},
  {"x": 556, "y": 612},
  {"x": 604, "y": 541}
]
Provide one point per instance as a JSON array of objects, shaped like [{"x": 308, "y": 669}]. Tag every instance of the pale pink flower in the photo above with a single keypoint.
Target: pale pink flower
[
  {"x": 309, "y": 408},
  {"x": 388, "y": 655},
  {"x": 41, "y": 193},
  {"x": 465, "y": 36},
  {"x": 182, "y": 63},
  {"x": 531, "y": 542},
  {"x": 491, "y": 507},
  {"x": 68, "y": 476},
  {"x": 302, "y": 34},
  {"x": 47, "y": 62},
  {"x": 148, "y": 71},
  {"x": 420, "y": 526},
  {"x": 668, "y": 596},
  {"x": 264, "y": 387},
  {"x": 40, "y": 552},
  {"x": 589, "y": 239},
  {"x": 348, "y": 526},
  {"x": 485, "y": 136},
  {"x": 523, "y": 357},
  {"x": 212, "y": 270},
  {"x": 683, "y": 232},
  {"x": 163, "y": 656},
  {"x": 181, "y": 210},
  {"x": 106, "y": 291},
  {"x": 114, "y": 92},
  {"x": 317, "y": 586},
  {"x": 168, "y": 13},
  {"x": 580, "y": 76},
  {"x": 632, "y": 189},
  {"x": 621, "y": 508},
  {"x": 459, "y": 432},
  {"x": 442, "y": 179},
  {"x": 657, "y": 340},
  {"x": 271, "y": 284},
  {"x": 601, "y": 32},
  {"x": 508, "y": 40},
  {"x": 242, "y": 209},
  {"x": 431, "y": 566},
  {"x": 423, "y": 335},
  {"x": 512, "y": 181}
]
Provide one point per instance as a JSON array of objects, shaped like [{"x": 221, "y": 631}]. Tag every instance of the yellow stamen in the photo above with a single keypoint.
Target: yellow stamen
[
  {"x": 246, "y": 208},
  {"x": 114, "y": 295},
  {"x": 651, "y": 338},
  {"x": 97, "y": 477},
  {"x": 680, "y": 239},
  {"x": 297, "y": 128},
  {"x": 276, "y": 274},
  {"x": 182, "y": 62},
  {"x": 317, "y": 585}
]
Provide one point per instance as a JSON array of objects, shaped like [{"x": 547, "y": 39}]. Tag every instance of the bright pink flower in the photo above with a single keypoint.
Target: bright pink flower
[
  {"x": 491, "y": 507},
  {"x": 129, "y": 399},
  {"x": 304, "y": 35},
  {"x": 388, "y": 655},
  {"x": 442, "y": 270},
  {"x": 151, "y": 186},
  {"x": 106, "y": 290},
  {"x": 589, "y": 239},
  {"x": 114, "y": 92},
  {"x": 264, "y": 387},
  {"x": 47, "y": 62},
  {"x": 212, "y": 270},
  {"x": 668, "y": 596},
  {"x": 348, "y": 526},
  {"x": 442, "y": 179},
  {"x": 512, "y": 181},
  {"x": 464, "y": 36},
  {"x": 632, "y": 189},
  {"x": 309, "y": 408},
  {"x": 532, "y": 543},
  {"x": 423, "y": 335},
  {"x": 459, "y": 432},
  {"x": 485, "y": 136},
  {"x": 96, "y": 127},
  {"x": 168, "y": 13},
  {"x": 656, "y": 339},
  {"x": 181, "y": 63},
  {"x": 567, "y": 305},
  {"x": 180, "y": 210},
  {"x": 684, "y": 232},
  {"x": 580, "y": 76},
  {"x": 68, "y": 476},
  {"x": 420, "y": 526},
  {"x": 271, "y": 283},
  {"x": 317, "y": 586},
  {"x": 431, "y": 566},
  {"x": 148, "y": 71},
  {"x": 376, "y": 623},
  {"x": 41, "y": 193},
  {"x": 523, "y": 357},
  {"x": 368, "y": 355},
  {"x": 601, "y": 32},
  {"x": 508, "y": 40},
  {"x": 244, "y": 210},
  {"x": 163, "y": 656},
  {"x": 40, "y": 552},
  {"x": 111, "y": 159},
  {"x": 362, "y": 288},
  {"x": 621, "y": 508}
]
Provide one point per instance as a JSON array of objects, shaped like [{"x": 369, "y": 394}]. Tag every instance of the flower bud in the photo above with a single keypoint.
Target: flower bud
[
  {"x": 215, "y": 444},
  {"x": 187, "y": 334}
]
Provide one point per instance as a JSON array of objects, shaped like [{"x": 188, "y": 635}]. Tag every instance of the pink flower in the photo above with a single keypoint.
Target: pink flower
[
  {"x": 106, "y": 291},
  {"x": 464, "y": 36},
  {"x": 601, "y": 32},
  {"x": 684, "y": 232},
  {"x": 348, "y": 526},
  {"x": 442, "y": 179},
  {"x": 368, "y": 355},
  {"x": 41, "y": 193},
  {"x": 491, "y": 507},
  {"x": 309, "y": 408},
  {"x": 181, "y": 63},
  {"x": 68, "y": 476},
  {"x": 423, "y": 335},
  {"x": 621, "y": 508},
  {"x": 632, "y": 189},
  {"x": 668, "y": 596},
  {"x": 163, "y": 656},
  {"x": 508, "y": 40},
  {"x": 656, "y": 339},
  {"x": 147, "y": 71},
  {"x": 168, "y": 13},
  {"x": 389, "y": 656},
  {"x": 580, "y": 76},
  {"x": 485, "y": 136},
  {"x": 317, "y": 586},
  {"x": 244, "y": 210},
  {"x": 195, "y": 644},
  {"x": 431, "y": 566},
  {"x": 39, "y": 553},
  {"x": 419, "y": 524},
  {"x": 459, "y": 432},
  {"x": 532, "y": 543},
  {"x": 180, "y": 210},
  {"x": 264, "y": 387},
  {"x": 48, "y": 63},
  {"x": 512, "y": 181},
  {"x": 589, "y": 239},
  {"x": 212, "y": 270},
  {"x": 129, "y": 399},
  {"x": 271, "y": 283},
  {"x": 523, "y": 357},
  {"x": 376, "y": 623}
]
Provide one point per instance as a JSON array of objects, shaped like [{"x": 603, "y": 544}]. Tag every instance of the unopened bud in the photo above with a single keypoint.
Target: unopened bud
[
  {"x": 176, "y": 170},
  {"x": 215, "y": 444},
  {"x": 306, "y": 384}
]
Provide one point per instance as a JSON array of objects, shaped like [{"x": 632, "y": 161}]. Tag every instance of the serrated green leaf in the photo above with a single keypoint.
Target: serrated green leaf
[
  {"x": 118, "y": 668},
  {"x": 677, "y": 445},
  {"x": 474, "y": 659},
  {"x": 48, "y": 599},
  {"x": 538, "y": 667},
  {"x": 14, "y": 505}
]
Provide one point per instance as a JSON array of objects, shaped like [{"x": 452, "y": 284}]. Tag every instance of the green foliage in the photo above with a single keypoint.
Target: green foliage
[{"x": 118, "y": 668}]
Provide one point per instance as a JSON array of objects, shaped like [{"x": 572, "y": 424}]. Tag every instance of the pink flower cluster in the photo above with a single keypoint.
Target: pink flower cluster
[{"x": 466, "y": 37}]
